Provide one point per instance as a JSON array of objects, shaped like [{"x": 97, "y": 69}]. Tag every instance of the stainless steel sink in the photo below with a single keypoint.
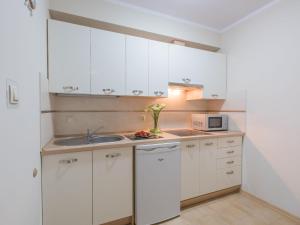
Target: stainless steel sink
[{"x": 88, "y": 140}]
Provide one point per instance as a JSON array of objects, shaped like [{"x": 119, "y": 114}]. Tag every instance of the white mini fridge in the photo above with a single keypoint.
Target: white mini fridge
[{"x": 157, "y": 182}]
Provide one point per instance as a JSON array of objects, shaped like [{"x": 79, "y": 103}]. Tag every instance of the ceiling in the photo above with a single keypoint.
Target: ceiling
[{"x": 214, "y": 14}]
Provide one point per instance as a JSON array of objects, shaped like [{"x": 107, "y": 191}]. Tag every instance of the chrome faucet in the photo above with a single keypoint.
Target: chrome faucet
[{"x": 90, "y": 134}]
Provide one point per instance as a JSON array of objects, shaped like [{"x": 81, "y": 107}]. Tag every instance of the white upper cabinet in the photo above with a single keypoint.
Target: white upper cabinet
[
  {"x": 69, "y": 58},
  {"x": 107, "y": 63},
  {"x": 195, "y": 66},
  {"x": 137, "y": 66},
  {"x": 158, "y": 68},
  {"x": 214, "y": 75},
  {"x": 185, "y": 65}
]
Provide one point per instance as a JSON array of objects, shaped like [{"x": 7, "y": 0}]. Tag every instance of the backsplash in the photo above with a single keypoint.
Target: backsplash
[{"x": 74, "y": 115}]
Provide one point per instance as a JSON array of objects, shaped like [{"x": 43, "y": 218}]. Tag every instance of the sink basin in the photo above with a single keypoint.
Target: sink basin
[{"x": 91, "y": 140}]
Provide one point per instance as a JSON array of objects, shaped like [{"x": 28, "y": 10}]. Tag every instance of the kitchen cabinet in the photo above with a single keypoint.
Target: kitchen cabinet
[
  {"x": 137, "y": 66},
  {"x": 67, "y": 189},
  {"x": 229, "y": 162},
  {"x": 195, "y": 66},
  {"x": 69, "y": 58},
  {"x": 189, "y": 169},
  {"x": 107, "y": 63},
  {"x": 112, "y": 184},
  {"x": 158, "y": 69},
  {"x": 185, "y": 65},
  {"x": 214, "y": 75},
  {"x": 207, "y": 166},
  {"x": 210, "y": 165}
]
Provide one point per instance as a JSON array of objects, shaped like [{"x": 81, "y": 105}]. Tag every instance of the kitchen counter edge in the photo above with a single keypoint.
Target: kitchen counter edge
[{"x": 52, "y": 149}]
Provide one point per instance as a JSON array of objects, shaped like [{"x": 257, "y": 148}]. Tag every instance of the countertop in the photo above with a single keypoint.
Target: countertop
[{"x": 51, "y": 148}]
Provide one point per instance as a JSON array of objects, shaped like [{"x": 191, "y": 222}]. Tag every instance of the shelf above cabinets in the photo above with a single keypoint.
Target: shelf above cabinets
[{"x": 85, "y": 60}]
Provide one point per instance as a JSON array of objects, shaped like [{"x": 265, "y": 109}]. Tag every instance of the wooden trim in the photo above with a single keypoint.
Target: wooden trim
[
  {"x": 84, "y": 21},
  {"x": 194, "y": 201},
  {"x": 122, "y": 221},
  {"x": 275, "y": 208}
]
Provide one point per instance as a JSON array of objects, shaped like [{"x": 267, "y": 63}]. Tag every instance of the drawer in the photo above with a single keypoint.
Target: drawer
[
  {"x": 194, "y": 144},
  {"x": 229, "y": 152},
  {"x": 228, "y": 162},
  {"x": 230, "y": 142},
  {"x": 229, "y": 177},
  {"x": 211, "y": 143}
]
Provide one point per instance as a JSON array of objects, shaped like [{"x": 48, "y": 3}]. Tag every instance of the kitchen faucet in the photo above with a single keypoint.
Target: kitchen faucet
[{"x": 90, "y": 134}]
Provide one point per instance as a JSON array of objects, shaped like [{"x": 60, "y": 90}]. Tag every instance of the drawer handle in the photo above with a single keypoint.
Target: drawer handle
[
  {"x": 190, "y": 146},
  {"x": 230, "y": 172},
  {"x": 214, "y": 95},
  {"x": 108, "y": 91},
  {"x": 158, "y": 93},
  {"x": 137, "y": 92},
  {"x": 113, "y": 155},
  {"x": 230, "y": 152},
  {"x": 186, "y": 80},
  {"x": 71, "y": 88},
  {"x": 209, "y": 144},
  {"x": 230, "y": 141},
  {"x": 68, "y": 161},
  {"x": 230, "y": 162}
]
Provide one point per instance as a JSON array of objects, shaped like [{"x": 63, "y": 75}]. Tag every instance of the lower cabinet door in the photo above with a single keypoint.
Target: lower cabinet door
[
  {"x": 112, "y": 184},
  {"x": 67, "y": 189},
  {"x": 207, "y": 170},
  {"x": 189, "y": 169},
  {"x": 228, "y": 177}
]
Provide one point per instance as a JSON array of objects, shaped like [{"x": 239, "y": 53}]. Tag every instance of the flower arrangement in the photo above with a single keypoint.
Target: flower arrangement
[{"x": 155, "y": 110}]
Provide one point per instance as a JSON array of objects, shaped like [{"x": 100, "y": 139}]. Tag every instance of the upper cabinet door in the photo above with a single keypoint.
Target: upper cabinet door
[
  {"x": 137, "y": 52},
  {"x": 185, "y": 65},
  {"x": 215, "y": 77},
  {"x": 107, "y": 63},
  {"x": 158, "y": 69},
  {"x": 69, "y": 58}
]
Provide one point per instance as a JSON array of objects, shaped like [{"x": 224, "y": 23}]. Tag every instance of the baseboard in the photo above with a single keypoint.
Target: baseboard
[
  {"x": 200, "y": 199},
  {"x": 275, "y": 208}
]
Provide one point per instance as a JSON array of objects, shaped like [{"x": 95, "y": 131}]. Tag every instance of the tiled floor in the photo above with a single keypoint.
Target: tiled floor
[{"x": 235, "y": 209}]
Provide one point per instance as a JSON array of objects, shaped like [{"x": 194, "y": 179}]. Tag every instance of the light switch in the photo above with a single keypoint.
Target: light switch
[{"x": 12, "y": 93}]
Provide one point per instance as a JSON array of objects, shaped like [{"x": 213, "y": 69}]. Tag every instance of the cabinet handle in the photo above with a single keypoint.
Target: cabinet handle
[
  {"x": 137, "y": 92},
  {"x": 190, "y": 146},
  {"x": 186, "y": 80},
  {"x": 230, "y": 162},
  {"x": 71, "y": 88},
  {"x": 214, "y": 95},
  {"x": 230, "y": 141},
  {"x": 230, "y": 172},
  {"x": 209, "y": 144},
  {"x": 68, "y": 161},
  {"x": 158, "y": 93},
  {"x": 108, "y": 91},
  {"x": 114, "y": 155},
  {"x": 230, "y": 152}
]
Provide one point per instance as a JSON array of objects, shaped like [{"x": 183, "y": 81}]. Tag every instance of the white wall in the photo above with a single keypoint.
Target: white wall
[
  {"x": 264, "y": 59},
  {"x": 143, "y": 20},
  {"x": 22, "y": 57}
]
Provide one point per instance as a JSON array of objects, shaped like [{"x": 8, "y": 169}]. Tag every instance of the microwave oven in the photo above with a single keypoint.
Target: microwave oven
[{"x": 210, "y": 122}]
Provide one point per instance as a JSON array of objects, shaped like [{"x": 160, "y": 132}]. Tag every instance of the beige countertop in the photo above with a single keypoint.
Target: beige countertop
[{"x": 51, "y": 148}]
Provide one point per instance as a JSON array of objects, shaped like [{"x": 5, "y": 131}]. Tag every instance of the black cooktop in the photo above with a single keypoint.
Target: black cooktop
[{"x": 187, "y": 132}]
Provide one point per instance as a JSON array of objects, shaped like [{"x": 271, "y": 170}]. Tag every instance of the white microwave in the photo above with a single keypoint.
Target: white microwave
[{"x": 210, "y": 122}]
